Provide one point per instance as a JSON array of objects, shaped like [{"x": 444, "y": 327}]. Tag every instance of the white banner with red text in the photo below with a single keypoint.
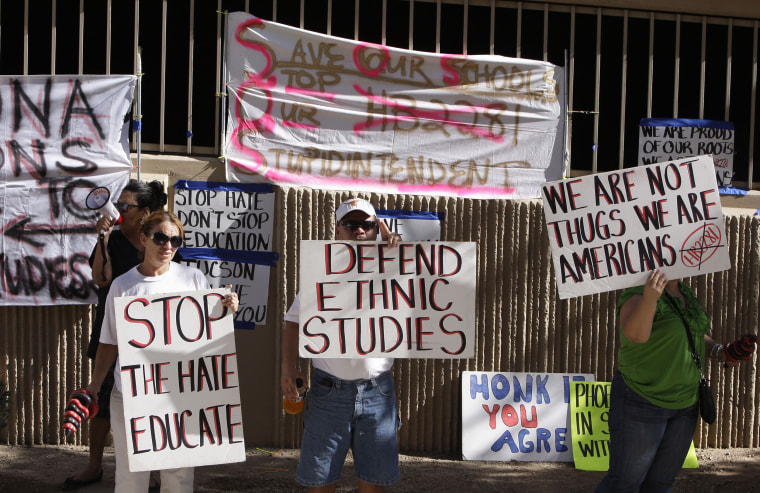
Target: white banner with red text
[{"x": 325, "y": 112}]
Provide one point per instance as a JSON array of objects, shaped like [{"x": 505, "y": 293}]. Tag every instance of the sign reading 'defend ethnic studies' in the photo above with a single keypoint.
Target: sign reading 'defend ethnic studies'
[
  {"x": 609, "y": 231},
  {"x": 364, "y": 299},
  {"x": 180, "y": 380},
  {"x": 517, "y": 416}
]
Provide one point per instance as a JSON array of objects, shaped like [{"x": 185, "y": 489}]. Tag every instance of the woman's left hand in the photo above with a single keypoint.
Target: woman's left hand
[{"x": 231, "y": 301}]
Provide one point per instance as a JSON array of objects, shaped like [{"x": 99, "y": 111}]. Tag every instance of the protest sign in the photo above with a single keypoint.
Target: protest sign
[
  {"x": 228, "y": 236},
  {"x": 62, "y": 137},
  {"x": 517, "y": 416},
  {"x": 668, "y": 139},
  {"x": 610, "y": 230},
  {"x": 364, "y": 299},
  {"x": 314, "y": 110},
  {"x": 413, "y": 225},
  {"x": 180, "y": 380},
  {"x": 589, "y": 421}
]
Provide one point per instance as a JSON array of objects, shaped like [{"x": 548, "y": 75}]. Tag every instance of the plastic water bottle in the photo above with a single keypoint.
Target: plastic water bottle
[{"x": 296, "y": 407}]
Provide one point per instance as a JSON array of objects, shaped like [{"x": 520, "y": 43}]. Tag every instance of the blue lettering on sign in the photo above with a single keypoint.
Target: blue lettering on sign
[
  {"x": 500, "y": 388},
  {"x": 476, "y": 387},
  {"x": 576, "y": 378},
  {"x": 526, "y": 445}
]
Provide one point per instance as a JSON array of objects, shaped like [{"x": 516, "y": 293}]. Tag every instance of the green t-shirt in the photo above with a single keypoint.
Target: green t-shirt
[{"x": 662, "y": 369}]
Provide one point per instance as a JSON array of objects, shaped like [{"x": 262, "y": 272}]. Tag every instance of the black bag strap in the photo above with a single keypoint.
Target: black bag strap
[{"x": 674, "y": 303}]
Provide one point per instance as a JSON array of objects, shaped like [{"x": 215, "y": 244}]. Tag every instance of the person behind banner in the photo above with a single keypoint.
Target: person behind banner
[
  {"x": 352, "y": 401},
  {"x": 654, "y": 393},
  {"x": 116, "y": 251},
  {"x": 161, "y": 235}
]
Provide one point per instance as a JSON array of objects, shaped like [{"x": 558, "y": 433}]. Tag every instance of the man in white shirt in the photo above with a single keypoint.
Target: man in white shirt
[{"x": 352, "y": 401}]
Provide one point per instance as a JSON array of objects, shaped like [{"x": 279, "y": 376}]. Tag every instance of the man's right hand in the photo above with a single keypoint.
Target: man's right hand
[{"x": 288, "y": 382}]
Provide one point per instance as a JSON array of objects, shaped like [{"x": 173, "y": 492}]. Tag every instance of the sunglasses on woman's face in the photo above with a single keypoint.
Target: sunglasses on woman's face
[
  {"x": 123, "y": 207},
  {"x": 160, "y": 239},
  {"x": 354, "y": 225}
]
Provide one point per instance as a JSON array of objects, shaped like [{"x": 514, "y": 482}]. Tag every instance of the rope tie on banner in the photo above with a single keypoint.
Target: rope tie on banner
[
  {"x": 220, "y": 12},
  {"x": 137, "y": 123}
]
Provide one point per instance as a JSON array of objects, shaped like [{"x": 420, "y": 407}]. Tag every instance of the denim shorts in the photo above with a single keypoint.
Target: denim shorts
[{"x": 339, "y": 415}]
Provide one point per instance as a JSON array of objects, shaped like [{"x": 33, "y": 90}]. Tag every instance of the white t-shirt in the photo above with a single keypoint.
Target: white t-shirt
[
  {"x": 343, "y": 368},
  {"x": 178, "y": 278}
]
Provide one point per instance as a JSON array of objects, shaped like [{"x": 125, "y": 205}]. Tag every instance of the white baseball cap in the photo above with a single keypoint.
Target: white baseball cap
[{"x": 351, "y": 205}]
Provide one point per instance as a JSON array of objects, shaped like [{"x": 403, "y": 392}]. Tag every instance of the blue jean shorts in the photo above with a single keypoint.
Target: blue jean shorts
[{"x": 339, "y": 415}]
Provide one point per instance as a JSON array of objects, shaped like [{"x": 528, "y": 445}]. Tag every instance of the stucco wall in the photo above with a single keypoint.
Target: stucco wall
[{"x": 522, "y": 325}]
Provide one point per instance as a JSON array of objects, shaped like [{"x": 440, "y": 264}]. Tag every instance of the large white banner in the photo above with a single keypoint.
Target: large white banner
[
  {"x": 363, "y": 299},
  {"x": 517, "y": 416},
  {"x": 610, "y": 230},
  {"x": 666, "y": 139},
  {"x": 180, "y": 380},
  {"x": 326, "y": 112},
  {"x": 62, "y": 137}
]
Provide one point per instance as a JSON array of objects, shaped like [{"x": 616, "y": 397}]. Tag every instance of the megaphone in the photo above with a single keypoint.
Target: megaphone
[{"x": 98, "y": 200}]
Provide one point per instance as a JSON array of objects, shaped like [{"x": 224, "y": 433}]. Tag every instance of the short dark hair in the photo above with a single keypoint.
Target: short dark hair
[{"x": 150, "y": 195}]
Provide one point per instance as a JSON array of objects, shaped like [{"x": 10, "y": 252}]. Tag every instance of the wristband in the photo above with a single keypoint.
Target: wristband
[{"x": 716, "y": 349}]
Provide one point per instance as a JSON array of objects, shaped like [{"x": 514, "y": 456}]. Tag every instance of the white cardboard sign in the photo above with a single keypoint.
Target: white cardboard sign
[
  {"x": 180, "y": 380},
  {"x": 363, "y": 299},
  {"x": 517, "y": 416},
  {"x": 610, "y": 230}
]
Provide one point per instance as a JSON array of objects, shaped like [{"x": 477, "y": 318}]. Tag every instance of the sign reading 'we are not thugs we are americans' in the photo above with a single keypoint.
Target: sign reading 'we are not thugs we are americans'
[{"x": 610, "y": 230}]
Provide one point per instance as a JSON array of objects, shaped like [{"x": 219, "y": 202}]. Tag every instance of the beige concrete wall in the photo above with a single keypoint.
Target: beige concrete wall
[{"x": 522, "y": 325}]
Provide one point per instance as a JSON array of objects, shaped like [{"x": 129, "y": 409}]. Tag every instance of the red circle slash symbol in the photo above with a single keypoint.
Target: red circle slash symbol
[{"x": 701, "y": 245}]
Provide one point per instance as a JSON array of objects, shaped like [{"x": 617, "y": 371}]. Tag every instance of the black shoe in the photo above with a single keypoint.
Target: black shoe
[{"x": 72, "y": 484}]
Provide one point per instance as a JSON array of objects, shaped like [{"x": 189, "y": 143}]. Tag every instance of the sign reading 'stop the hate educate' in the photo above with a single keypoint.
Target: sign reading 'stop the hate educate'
[
  {"x": 180, "y": 380},
  {"x": 610, "y": 230},
  {"x": 365, "y": 299}
]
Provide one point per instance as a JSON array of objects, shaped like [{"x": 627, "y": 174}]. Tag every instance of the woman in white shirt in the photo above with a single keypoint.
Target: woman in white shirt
[{"x": 161, "y": 235}]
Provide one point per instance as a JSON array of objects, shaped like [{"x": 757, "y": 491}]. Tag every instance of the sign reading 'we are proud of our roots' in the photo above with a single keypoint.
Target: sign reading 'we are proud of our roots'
[{"x": 608, "y": 231}]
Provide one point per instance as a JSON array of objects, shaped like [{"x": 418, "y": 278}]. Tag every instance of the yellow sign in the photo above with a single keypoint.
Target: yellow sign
[{"x": 589, "y": 413}]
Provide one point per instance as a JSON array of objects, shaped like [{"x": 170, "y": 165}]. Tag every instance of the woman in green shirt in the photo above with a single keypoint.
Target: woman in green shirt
[{"x": 653, "y": 403}]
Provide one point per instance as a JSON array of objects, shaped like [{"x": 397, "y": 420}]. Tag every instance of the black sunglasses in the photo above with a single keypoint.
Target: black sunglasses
[
  {"x": 354, "y": 225},
  {"x": 123, "y": 207},
  {"x": 160, "y": 239}
]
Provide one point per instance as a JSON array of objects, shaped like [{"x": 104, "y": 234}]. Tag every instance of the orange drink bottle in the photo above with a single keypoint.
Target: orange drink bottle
[{"x": 296, "y": 407}]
